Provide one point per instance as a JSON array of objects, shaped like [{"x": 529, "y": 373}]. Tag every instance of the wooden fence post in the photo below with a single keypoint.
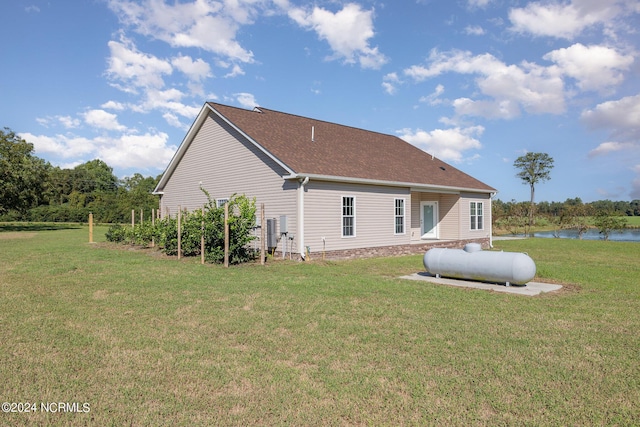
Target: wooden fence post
[
  {"x": 179, "y": 231},
  {"x": 133, "y": 218},
  {"x": 263, "y": 226},
  {"x": 141, "y": 216},
  {"x": 90, "y": 227},
  {"x": 226, "y": 234}
]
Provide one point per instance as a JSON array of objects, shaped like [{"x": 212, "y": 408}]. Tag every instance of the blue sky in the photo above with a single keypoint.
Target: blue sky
[{"x": 475, "y": 82}]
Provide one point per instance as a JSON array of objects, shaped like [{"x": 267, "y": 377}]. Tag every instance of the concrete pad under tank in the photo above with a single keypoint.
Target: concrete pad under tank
[{"x": 530, "y": 289}]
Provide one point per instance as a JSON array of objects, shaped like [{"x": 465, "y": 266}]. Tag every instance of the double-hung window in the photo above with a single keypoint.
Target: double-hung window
[
  {"x": 477, "y": 215},
  {"x": 348, "y": 216},
  {"x": 399, "y": 216}
]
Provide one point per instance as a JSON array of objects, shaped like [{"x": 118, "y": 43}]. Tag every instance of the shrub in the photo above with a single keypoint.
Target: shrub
[
  {"x": 166, "y": 234},
  {"x": 242, "y": 217},
  {"x": 116, "y": 233},
  {"x": 141, "y": 234},
  {"x": 607, "y": 222}
]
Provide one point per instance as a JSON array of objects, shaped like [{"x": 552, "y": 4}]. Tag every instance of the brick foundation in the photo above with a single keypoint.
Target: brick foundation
[{"x": 396, "y": 250}]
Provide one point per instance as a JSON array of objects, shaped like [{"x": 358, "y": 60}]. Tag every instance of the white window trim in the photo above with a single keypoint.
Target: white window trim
[
  {"x": 342, "y": 216},
  {"x": 404, "y": 216},
  {"x": 221, "y": 202},
  {"x": 476, "y": 215}
]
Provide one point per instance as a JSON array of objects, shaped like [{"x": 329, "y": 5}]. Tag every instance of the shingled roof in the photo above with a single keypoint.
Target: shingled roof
[{"x": 314, "y": 147}]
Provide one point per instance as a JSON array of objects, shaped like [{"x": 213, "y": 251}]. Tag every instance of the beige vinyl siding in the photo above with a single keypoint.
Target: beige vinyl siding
[
  {"x": 223, "y": 162},
  {"x": 465, "y": 216},
  {"x": 374, "y": 215},
  {"x": 448, "y": 215}
]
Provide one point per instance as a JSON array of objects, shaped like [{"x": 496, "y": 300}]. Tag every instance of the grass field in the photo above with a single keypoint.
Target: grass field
[
  {"x": 147, "y": 340},
  {"x": 633, "y": 221}
]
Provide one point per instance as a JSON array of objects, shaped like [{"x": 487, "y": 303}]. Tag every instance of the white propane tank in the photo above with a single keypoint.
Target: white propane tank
[{"x": 475, "y": 264}]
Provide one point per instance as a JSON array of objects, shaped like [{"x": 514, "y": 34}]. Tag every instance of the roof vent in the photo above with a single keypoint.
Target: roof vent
[
  {"x": 313, "y": 131},
  {"x": 443, "y": 168}
]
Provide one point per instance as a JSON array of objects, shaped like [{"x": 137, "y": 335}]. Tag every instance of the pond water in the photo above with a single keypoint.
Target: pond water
[{"x": 627, "y": 235}]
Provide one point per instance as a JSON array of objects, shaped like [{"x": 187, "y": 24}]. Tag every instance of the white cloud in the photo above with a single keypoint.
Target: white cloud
[
  {"x": 531, "y": 87},
  {"x": 204, "y": 24},
  {"x": 66, "y": 121},
  {"x": 390, "y": 82},
  {"x": 562, "y": 19},
  {"x": 174, "y": 121},
  {"x": 43, "y": 121},
  {"x": 622, "y": 120},
  {"x": 236, "y": 70},
  {"x": 69, "y": 122},
  {"x": 60, "y": 145},
  {"x": 247, "y": 100},
  {"x": 492, "y": 109},
  {"x": 621, "y": 116},
  {"x": 434, "y": 97},
  {"x": 446, "y": 144},
  {"x": 102, "y": 120},
  {"x": 347, "y": 31},
  {"x": 148, "y": 151},
  {"x": 160, "y": 97},
  {"x": 456, "y": 61},
  {"x": 114, "y": 105},
  {"x": 474, "y": 30},
  {"x": 479, "y": 3},
  {"x": 135, "y": 69},
  {"x": 194, "y": 70},
  {"x": 168, "y": 100},
  {"x": 610, "y": 147},
  {"x": 594, "y": 67}
]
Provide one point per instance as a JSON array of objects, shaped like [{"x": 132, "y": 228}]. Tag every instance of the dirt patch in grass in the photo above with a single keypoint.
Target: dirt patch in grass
[{"x": 567, "y": 288}]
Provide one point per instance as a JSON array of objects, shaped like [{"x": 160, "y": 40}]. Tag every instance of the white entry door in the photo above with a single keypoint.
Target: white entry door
[{"x": 429, "y": 220}]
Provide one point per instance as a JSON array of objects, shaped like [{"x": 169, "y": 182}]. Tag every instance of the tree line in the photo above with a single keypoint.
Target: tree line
[
  {"x": 557, "y": 209},
  {"x": 31, "y": 189},
  {"x": 605, "y": 215}
]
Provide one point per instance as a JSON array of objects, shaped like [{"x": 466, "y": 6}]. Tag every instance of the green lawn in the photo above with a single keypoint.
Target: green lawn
[
  {"x": 149, "y": 340},
  {"x": 633, "y": 221}
]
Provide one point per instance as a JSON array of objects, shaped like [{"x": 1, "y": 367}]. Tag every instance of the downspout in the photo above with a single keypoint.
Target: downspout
[{"x": 301, "y": 247}]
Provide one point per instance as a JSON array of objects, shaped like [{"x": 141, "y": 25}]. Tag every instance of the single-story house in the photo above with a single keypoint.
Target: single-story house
[{"x": 331, "y": 188}]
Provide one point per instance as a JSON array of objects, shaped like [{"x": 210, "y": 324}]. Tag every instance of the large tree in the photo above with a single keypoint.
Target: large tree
[
  {"x": 534, "y": 168},
  {"x": 22, "y": 175}
]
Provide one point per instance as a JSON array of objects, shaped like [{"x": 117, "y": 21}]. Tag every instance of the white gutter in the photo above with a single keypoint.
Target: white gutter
[
  {"x": 414, "y": 186},
  {"x": 301, "y": 247}
]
